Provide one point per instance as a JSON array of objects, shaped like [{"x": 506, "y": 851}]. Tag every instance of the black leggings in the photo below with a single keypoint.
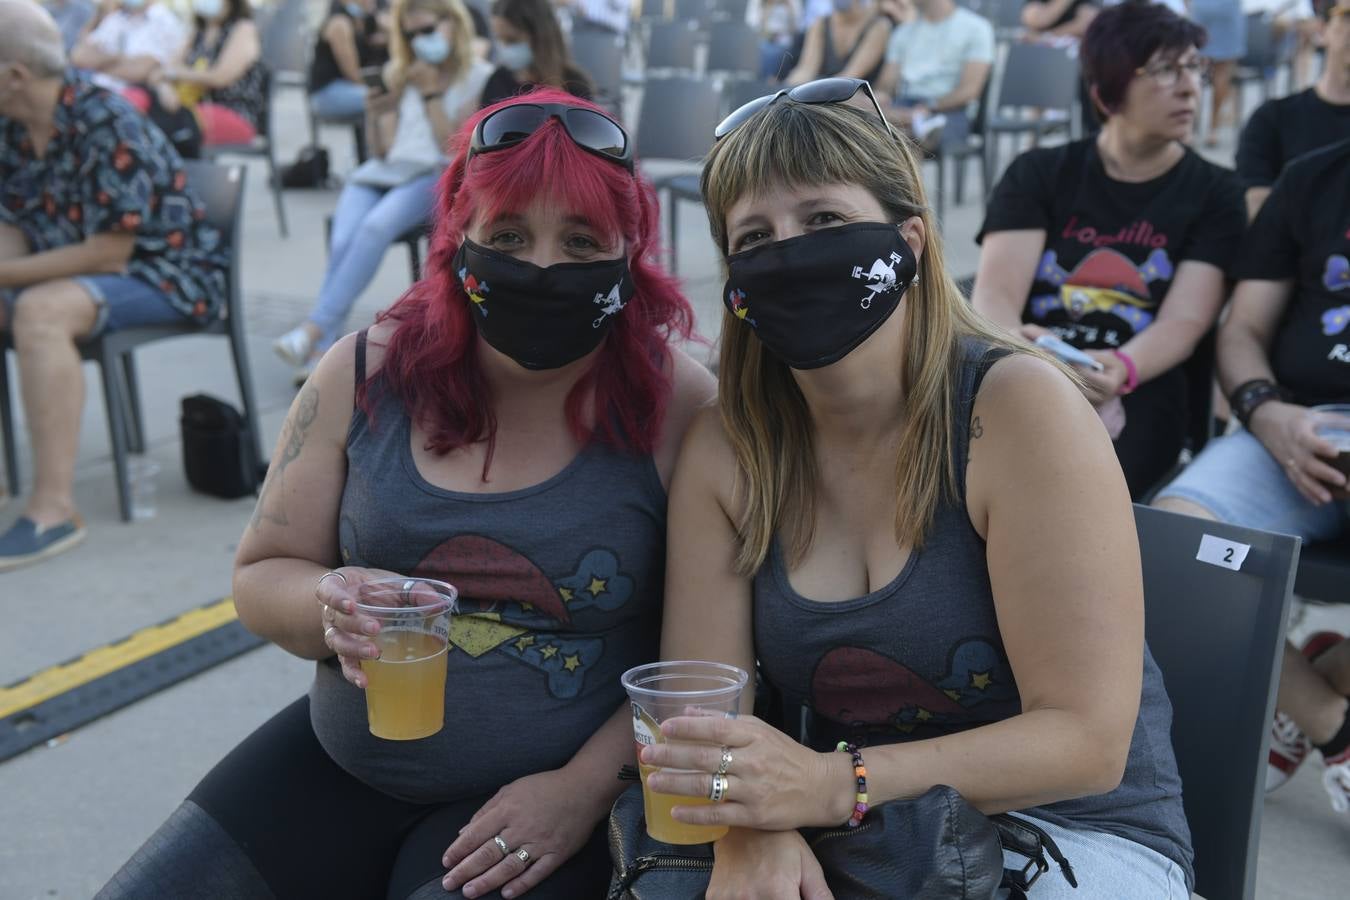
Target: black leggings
[{"x": 277, "y": 816}]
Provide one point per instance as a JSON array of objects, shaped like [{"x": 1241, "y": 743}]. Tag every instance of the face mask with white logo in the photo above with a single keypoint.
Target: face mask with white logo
[
  {"x": 515, "y": 57},
  {"x": 813, "y": 299},
  {"x": 432, "y": 49}
]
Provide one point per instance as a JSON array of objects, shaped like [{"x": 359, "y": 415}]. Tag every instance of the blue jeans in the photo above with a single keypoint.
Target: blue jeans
[
  {"x": 122, "y": 300},
  {"x": 1240, "y": 483},
  {"x": 366, "y": 222},
  {"x": 1105, "y": 866},
  {"x": 341, "y": 99}
]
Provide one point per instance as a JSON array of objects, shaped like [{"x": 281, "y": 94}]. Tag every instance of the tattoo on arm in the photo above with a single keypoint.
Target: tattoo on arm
[
  {"x": 976, "y": 432},
  {"x": 272, "y": 503}
]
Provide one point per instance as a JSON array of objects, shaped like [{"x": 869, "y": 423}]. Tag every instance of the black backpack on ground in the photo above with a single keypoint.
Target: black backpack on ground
[
  {"x": 310, "y": 169},
  {"x": 218, "y": 455}
]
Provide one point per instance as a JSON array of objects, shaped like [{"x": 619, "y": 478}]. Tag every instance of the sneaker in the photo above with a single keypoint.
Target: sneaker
[
  {"x": 295, "y": 346},
  {"x": 1336, "y": 780},
  {"x": 26, "y": 542},
  {"x": 1289, "y": 746}
]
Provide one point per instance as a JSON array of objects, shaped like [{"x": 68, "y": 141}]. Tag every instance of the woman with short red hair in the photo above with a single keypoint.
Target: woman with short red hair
[{"x": 508, "y": 426}]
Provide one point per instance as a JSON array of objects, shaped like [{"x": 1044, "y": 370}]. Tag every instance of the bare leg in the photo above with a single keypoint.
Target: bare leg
[
  {"x": 1222, "y": 86},
  {"x": 1314, "y": 697},
  {"x": 47, "y": 319}
]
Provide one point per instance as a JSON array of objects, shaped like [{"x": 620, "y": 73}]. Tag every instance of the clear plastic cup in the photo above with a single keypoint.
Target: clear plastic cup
[
  {"x": 141, "y": 473},
  {"x": 405, "y": 686},
  {"x": 1333, "y": 426},
  {"x": 661, "y": 691}
]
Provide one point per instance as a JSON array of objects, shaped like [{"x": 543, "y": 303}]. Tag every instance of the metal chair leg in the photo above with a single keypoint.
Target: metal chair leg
[
  {"x": 7, "y": 427},
  {"x": 275, "y": 181},
  {"x": 673, "y": 218},
  {"x": 114, "y": 407},
  {"x": 415, "y": 258},
  {"x": 135, "y": 414},
  {"x": 244, "y": 375}
]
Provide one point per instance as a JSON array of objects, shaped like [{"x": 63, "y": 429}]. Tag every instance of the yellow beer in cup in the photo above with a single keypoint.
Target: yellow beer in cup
[
  {"x": 661, "y": 691},
  {"x": 405, "y": 685}
]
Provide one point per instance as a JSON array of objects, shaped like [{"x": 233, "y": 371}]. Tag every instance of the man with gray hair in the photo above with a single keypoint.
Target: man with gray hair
[{"x": 98, "y": 231}]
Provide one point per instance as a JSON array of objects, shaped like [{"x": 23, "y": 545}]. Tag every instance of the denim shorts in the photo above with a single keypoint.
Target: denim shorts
[
  {"x": 123, "y": 301},
  {"x": 1237, "y": 480},
  {"x": 1105, "y": 865}
]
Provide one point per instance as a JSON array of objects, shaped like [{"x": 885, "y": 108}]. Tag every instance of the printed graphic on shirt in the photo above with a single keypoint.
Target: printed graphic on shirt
[
  {"x": 509, "y": 606},
  {"x": 868, "y": 690},
  {"x": 1105, "y": 298}
]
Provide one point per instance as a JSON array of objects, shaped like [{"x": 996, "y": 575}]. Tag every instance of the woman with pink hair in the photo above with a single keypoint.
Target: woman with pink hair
[{"x": 508, "y": 426}]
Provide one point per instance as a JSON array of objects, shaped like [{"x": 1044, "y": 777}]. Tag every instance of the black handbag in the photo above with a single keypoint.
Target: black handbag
[
  {"x": 934, "y": 847},
  {"x": 218, "y": 454}
]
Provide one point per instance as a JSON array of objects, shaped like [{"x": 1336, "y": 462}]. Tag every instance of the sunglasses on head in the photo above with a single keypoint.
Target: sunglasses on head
[
  {"x": 591, "y": 131},
  {"x": 824, "y": 90}
]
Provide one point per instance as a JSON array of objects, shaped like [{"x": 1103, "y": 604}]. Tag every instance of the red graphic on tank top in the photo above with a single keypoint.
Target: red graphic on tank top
[{"x": 485, "y": 570}]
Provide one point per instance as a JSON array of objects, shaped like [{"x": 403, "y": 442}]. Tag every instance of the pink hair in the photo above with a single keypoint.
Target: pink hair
[{"x": 431, "y": 360}]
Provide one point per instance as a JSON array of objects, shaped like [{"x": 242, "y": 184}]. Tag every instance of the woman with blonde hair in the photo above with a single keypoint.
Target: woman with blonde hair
[
  {"x": 917, "y": 530},
  {"x": 431, "y": 84}
]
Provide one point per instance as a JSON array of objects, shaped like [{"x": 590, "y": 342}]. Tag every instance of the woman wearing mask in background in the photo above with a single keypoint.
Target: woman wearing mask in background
[
  {"x": 919, "y": 533},
  {"x": 433, "y": 83},
  {"x": 531, "y": 52},
  {"x": 346, "y": 45},
  {"x": 850, "y": 42},
  {"x": 220, "y": 71},
  {"x": 508, "y": 426}
]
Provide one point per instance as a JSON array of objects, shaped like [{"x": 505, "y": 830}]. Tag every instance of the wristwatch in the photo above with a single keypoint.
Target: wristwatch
[{"x": 1251, "y": 394}]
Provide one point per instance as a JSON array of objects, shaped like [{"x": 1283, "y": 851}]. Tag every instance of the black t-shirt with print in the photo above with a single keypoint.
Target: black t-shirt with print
[
  {"x": 1112, "y": 248},
  {"x": 1303, "y": 233},
  {"x": 1283, "y": 129}
]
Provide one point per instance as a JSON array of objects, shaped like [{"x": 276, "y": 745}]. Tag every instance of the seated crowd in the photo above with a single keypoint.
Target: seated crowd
[{"x": 856, "y": 509}]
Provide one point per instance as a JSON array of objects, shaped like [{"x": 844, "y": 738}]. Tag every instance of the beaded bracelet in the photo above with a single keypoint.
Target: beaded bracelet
[{"x": 860, "y": 770}]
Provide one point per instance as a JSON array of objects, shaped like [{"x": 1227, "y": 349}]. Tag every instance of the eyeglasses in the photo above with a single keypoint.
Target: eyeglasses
[
  {"x": 1166, "y": 75},
  {"x": 588, "y": 129},
  {"x": 824, "y": 90}
]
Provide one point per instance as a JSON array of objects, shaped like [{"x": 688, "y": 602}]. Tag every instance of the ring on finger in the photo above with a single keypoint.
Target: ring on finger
[
  {"x": 725, "y": 764},
  {"x": 719, "y": 788},
  {"x": 328, "y": 634},
  {"x": 523, "y": 855},
  {"x": 330, "y": 574},
  {"x": 501, "y": 845}
]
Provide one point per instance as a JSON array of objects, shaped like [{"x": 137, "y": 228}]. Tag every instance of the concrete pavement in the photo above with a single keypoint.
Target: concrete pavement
[{"x": 72, "y": 812}]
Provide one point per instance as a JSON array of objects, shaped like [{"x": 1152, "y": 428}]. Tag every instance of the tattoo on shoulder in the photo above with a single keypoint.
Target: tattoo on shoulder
[
  {"x": 272, "y": 502},
  {"x": 976, "y": 432}
]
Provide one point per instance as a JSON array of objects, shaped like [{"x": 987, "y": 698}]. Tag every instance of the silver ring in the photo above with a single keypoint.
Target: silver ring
[
  {"x": 725, "y": 764},
  {"x": 523, "y": 855},
  {"x": 501, "y": 845},
  {"x": 719, "y": 788},
  {"x": 407, "y": 590},
  {"x": 328, "y": 634},
  {"x": 327, "y": 575}
]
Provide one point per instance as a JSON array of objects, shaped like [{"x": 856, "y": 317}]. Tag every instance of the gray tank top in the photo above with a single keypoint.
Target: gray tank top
[
  {"x": 922, "y": 657},
  {"x": 575, "y": 566}
]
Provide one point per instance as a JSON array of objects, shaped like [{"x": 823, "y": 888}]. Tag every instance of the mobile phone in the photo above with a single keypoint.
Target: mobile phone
[
  {"x": 374, "y": 78},
  {"x": 1068, "y": 353}
]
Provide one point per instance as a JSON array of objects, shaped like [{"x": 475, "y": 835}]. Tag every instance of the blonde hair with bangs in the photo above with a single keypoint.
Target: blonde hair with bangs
[
  {"x": 461, "y": 39},
  {"x": 763, "y": 411}
]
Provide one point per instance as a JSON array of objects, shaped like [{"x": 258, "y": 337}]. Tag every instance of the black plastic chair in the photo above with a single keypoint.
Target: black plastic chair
[
  {"x": 1035, "y": 77},
  {"x": 1258, "y": 63},
  {"x": 733, "y": 51},
  {"x": 670, "y": 47},
  {"x": 263, "y": 146},
  {"x": 1324, "y": 572},
  {"x": 1218, "y": 637},
  {"x": 738, "y": 92},
  {"x": 601, "y": 57},
  {"x": 960, "y": 153},
  {"x": 686, "y": 137},
  {"x": 412, "y": 239},
  {"x": 221, "y": 189}
]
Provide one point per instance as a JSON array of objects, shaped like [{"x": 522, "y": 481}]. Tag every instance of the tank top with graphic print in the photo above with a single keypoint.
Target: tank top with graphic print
[
  {"x": 922, "y": 657},
  {"x": 574, "y": 567}
]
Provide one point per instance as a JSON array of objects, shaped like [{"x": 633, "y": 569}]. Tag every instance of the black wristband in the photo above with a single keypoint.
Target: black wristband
[{"x": 1251, "y": 394}]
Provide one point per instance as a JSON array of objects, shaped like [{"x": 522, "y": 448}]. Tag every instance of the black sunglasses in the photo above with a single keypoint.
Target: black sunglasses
[
  {"x": 823, "y": 90},
  {"x": 588, "y": 129}
]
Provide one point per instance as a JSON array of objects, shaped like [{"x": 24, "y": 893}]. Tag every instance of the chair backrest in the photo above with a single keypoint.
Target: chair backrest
[
  {"x": 733, "y": 47},
  {"x": 670, "y": 45},
  {"x": 601, "y": 57},
  {"x": 221, "y": 190},
  {"x": 652, "y": 11},
  {"x": 698, "y": 12},
  {"x": 730, "y": 10},
  {"x": 1006, "y": 15},
  {"x": 1040, "y": 76},
  {"x": 1218, "y": 637},
  {"x": 1324, "y": 572},
  {"x": 1262, "y": 49},
  {"x": 736, "y": 94},
  {"x": 286, "y": 40},
  {"x": 677, "y": 118}
]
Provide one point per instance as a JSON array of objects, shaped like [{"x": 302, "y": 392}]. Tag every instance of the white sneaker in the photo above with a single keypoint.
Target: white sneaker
[
  {"x": 1336, "y": 780},
  {"x": 1289, "y": 746},
  {"x": 295, "y": 346}
]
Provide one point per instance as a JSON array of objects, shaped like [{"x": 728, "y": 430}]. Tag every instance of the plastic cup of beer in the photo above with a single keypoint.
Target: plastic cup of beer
[
  {"x": 1333, "y": 426},
  {"x": 405, "y": 685},
  {"x": 665, "y": 690}
]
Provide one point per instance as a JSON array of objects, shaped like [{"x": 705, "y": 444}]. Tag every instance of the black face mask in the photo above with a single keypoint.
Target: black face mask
[
  {"x": 812, "y": 299},
  {"x": 543, "y": 318}
]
